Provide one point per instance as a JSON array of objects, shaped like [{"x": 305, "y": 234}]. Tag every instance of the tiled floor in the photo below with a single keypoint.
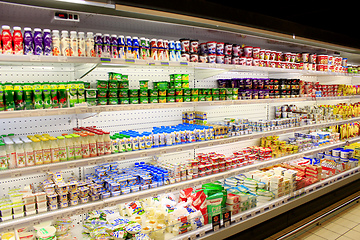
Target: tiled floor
[{"x": 343, "y": 226}]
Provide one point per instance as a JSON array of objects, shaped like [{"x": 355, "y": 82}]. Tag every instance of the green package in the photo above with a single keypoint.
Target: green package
[
  {"x": 90, "y": 93},
  {"x": 91, "y": 101},
  {"x": 113, "y": 101},
  {"x": 153, "y": 92},
  {"x": 102, "y": 101},
  {"x": 86, "y": 85},
  {"x": 123, "y": 93},
  {"x": 46, "y": 95},
  {"x": 81, "y": 92},
  {"x": 2, "y": 98},
  {"x": 144, "y": 100},
  {"x": 153, "y": 99},
  {"x": 62, "y": 93},
  {"x": 113, "y": 84},
  {"x": 214, "y": 205},
  {"x": 124, "y": 84},
  {"x": 54, "y": 95},
  {"x": 38, "y": 95},
  {"x": 72, "y": 93},
  {"x": 124, "y": 100},
  {"x": 9, "y": 96},
  {"x": 134, "y": 100},
  {"x": 125, "y": 77},
  {"x": 28, "y": 96},
  {"x": 113, "y": 93},
  {"x": 19, "y": 96},
  {"x": 102, "y": 84},
  {"x": 144, "y": 84}
]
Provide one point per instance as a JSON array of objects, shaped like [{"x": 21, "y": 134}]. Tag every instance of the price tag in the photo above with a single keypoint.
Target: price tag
[
  {"x": 71, "y": 165},
  {"x": 143, "y": 155},
  {"x": 35, "y": 58},
  {"x": 237, "y": 219},
  {"x": 16, "y": 174},
  {"x": 202, "y": 234},
  {"x": 227, "y": 218},
  {"x": 62, "y": 59},
  {"x": 184, "y": 63},
  {"x": 215, "y": 222},
  {"x": 193, "y": 237},
  {"x": 45, "y": 169},
  {"x": 106, "y": 60},
  {"x": 165, "y": 63}
]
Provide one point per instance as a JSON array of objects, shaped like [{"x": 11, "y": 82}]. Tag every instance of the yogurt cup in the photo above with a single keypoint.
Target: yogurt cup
[
  {"x": 262, "y": 54},
  {"x": 242, "y": 61},
  {"x": 267, "y": 55},
  {"x": 272, "y": 55},
  {"x": 211, "y": 47},
  {"x": 249, "y": 61},
  {"x": 211, "y": 58},
  {"x": 287, "y": 56},
  {"x": 220, "y": 48},
  {"x": 248, "y": 51},
  {"x": 256, "y": 52},
  {"x": 220, "y": 58}
]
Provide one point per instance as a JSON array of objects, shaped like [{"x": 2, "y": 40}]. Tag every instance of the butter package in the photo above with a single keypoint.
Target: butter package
[{"x": 232, "y": 198}]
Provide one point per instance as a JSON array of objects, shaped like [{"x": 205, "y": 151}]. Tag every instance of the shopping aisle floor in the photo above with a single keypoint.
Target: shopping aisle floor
[{"x": 343, "y": 226}]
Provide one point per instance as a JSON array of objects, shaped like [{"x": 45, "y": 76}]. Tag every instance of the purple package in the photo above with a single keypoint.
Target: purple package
[
  {"x": 47, "y": 40},
  {"x": 255, "y": 83},
  {"x": 28, "y": 41},
  {"x": 248, "y": 83},
  {"x": 38, "y": 42},
  {"x": 234, "y": 83},
  {"x": 221, "y": 83},
  {"x": 106, "y": 45},
  {"x": 114, "y": 46},
  {"x": 98, "y": 40},
  {"x": 261, "y": 83},
  {"x": 241, "y": 83}
]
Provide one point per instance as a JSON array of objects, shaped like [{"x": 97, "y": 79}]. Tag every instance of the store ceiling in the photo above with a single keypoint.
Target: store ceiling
[{"x": 325, "y": 22}]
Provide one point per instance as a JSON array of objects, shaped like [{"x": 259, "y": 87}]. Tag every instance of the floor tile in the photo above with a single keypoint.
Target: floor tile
[
  {"x": 344, "y": 222},
  {"x": 356, "y": 228},
  {"x": 336, "y": 228},
  {"x": 326, "y": 233},
  {"x": 350, "y": 216},
  {"x": 344, "y": 238},
  {"x": 352, "y": 234}
]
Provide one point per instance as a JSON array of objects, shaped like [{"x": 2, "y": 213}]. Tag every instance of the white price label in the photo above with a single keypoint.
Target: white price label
[{"x": 202, "y": 234}]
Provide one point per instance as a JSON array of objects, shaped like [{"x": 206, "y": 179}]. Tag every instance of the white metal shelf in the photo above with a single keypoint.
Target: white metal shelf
[
  {"x": 84, "y": 208},
  {"x": 116, "y": 62},
  {"x": 17, "y": 172}
]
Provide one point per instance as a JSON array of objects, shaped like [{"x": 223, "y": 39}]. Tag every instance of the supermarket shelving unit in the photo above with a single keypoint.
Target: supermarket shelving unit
[{"x": 107, "y": 18}]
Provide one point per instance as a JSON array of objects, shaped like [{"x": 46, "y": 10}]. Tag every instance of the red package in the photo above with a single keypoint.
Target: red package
[
  {"x": 185, "y": 194},
  {"x": 198, "y": 200}
]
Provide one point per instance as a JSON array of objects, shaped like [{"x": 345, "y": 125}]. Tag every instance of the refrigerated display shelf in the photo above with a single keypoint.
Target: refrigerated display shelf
[
  {"x": 255, "y": 216},
  {"x": 17, "y": 172},
  {"x": 112, "y": 201}
]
